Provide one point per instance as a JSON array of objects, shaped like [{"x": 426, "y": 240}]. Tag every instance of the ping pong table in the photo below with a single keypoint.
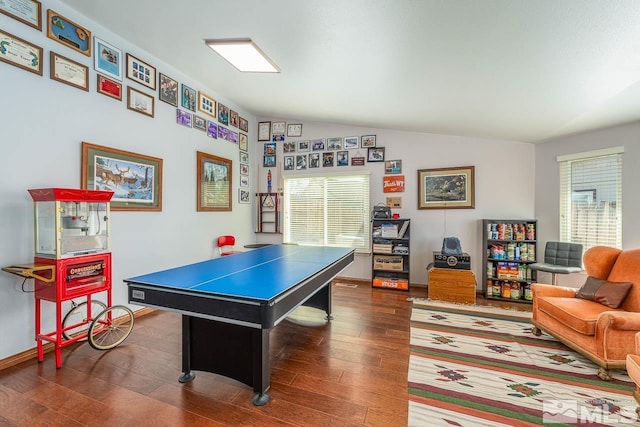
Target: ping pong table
[{"x": 230, "y": 304}]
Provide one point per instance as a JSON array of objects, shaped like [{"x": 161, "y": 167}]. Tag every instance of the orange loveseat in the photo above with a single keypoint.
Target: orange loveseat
[{"x": 603, "y": 334}]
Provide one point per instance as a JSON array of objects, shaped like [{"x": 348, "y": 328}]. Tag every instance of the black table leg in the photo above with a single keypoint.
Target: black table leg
[{"x": 187, "y": 375}]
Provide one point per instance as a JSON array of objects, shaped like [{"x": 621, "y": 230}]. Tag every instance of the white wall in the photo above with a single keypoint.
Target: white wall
[
  {"x": 547, "y": 201},
  {"x": 504, "y": 174},
  {"x": 43, "y": 124}
]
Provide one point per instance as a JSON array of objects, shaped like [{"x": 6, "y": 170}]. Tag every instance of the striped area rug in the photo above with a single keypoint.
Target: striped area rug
[{"x": 481, "y": 366}]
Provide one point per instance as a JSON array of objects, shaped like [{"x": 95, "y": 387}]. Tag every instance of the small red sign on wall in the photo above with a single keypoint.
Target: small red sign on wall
[{"x": 393, "y": 184}]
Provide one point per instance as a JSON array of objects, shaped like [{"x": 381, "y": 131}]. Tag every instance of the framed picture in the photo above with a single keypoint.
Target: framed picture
[
  {"x": 244, "y": 195},
  {"x": 314, "y": 160},
  {"x": 183, "y": 118},
  {"x": 223, "y": 114},
  {"x": 244, "y": 180},
  {"x": 140, "y": 102},
  {"x": 446, "y": 188},
  {"x": 233, "y": 118},
  {"x": 301, "y": 161},
  {"x": 393, "y": 184},
  {"x": 303, "y": 146},
  {"x": 394, "y": 202},
  {"x": 270, "y": 149},
  {"x": 223, "y": 133},
  {"x": 244, "y": 169},
  {"x": 141, "y": 72},
  {"x": 243, "y": 124},
  {"x": 269, "y": 161},
  {"x": 188, "y": 98},
  {"x": 278, "y": 127},
  {"x": 327, "y": 160},
  {"x": 317, "y": 144},
  {"x": 277, "y": 137},
  {"x": 343, "y": 158},
  {"x": 334, "y": 143},
  {"x": 107, "y": 59},
  {"x": 26, "y": 11},
  {"x": 68, "y": 71},
  {"x": 206, "y": 105},
  {"x": 68, "y": 33},
  {"x": 214, "y": 183},
  {"x": 135, "y": 179},
  {"x": 357, "y": 160},
  {"x": 199, "y": 123},
  {"x": 233, "y": 136},
  {"x": 20, "y": 53},
  {"x": 375, "y": 154},
  {"x": 264, "y": 131},
  {"x": 212, "y": 129},
  {"x": 289, "y": 147},
  {"x": 244, "y": 157},
  {"x": 393, "y": 166},
  {"x": 351, "y": 142},
  {"x": 288, "y": 163},
  {"x": 109, "y": 87},
  {"x": 243, "y": 143},
  {"x": 368, "y": 141},
  {"x": 294, "y": 130},
  {"x": 168, "y": 91}
]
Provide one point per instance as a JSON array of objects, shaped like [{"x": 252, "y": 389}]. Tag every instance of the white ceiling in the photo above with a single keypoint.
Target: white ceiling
[{"x": 524, "y": 70}]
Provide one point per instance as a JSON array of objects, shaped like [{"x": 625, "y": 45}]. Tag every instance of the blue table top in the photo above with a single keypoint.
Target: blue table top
[{"x": 260, "y": 274}]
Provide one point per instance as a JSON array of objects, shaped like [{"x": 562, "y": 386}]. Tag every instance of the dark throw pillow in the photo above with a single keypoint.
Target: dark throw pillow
[{"x": 606, "y": 293}]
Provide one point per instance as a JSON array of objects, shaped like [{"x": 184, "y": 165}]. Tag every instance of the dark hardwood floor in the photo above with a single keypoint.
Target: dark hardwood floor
[{"x": 351, "y": 371}]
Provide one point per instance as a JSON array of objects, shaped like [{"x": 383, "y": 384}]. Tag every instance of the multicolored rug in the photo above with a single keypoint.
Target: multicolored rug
[{"x": 481, "y": 366}]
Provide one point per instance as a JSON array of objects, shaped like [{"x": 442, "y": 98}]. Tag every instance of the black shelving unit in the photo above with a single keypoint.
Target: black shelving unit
[
  {"x": 390, "y": 255},
  {"x": 509, "y": 248}
]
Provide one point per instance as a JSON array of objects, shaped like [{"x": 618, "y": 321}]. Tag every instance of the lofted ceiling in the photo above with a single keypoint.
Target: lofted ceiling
[{"x": 519, "y": 70}]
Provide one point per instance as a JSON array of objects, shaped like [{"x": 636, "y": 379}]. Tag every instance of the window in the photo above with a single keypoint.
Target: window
[
  {"x": 328, "y": 211},
  {"x": 591, "y": 198}
]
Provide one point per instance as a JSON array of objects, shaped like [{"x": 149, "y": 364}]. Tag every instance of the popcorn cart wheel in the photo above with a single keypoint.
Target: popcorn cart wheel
[{"x": 109, "y": 328}]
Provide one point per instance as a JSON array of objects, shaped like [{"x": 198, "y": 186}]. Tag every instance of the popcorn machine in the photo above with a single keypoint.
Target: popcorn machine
[{"x": 72, "y": 260}]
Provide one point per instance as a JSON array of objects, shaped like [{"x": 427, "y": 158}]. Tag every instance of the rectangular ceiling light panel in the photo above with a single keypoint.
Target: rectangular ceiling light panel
[{"x": 244, "y": 55}]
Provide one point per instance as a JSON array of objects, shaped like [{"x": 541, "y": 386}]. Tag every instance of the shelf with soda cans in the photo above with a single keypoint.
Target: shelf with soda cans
[{"x": 509, "y": 248}]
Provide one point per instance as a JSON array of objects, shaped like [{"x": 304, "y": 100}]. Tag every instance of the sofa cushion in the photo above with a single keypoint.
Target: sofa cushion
[
  {"x": 578, "y": 314},
  {"x": 611, "y": 294}
]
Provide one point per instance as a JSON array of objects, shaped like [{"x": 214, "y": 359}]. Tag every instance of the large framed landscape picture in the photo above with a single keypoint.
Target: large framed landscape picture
[
  {"x": 446, "y": 188},
  {"x": 135, "y": 179}
]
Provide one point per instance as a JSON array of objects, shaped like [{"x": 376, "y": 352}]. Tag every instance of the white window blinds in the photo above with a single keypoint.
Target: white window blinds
[
  {"x": 591, "y": 198},
  {"x": 327, "y": 211}
]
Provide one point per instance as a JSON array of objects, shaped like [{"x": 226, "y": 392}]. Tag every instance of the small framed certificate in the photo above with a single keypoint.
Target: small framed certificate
[
  {"x": 20, "y": 53},
  {"x": 26, "y": 11},
  {"x": 69, "y": 72}
]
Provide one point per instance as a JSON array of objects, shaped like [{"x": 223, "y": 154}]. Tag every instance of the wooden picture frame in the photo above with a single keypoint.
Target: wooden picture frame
[
  {"x": 213, "y": 183},
  {"x": 243, "y": 124},
  {"x": 375, "y": 154},
  {"x": 243, "y": 142},
  {"x": 189, "y": 98},
  {"x": 108, "y": 87},
  {"x": 135, "y": 179},
  {"x": 107, "y": 59},
  {"x": 140, "y": 102},
  {"x": 294, "y": 130},
  {"x": 20, "y": 53},
  {"x": 167, "y": 89},
  {"x": 68, "y": 33},
  {"x": 67, "y": 71},
  {"x": 141, "y": 72},
  {"x": 223, "y": 114},
  {"x": 367, "y": 141},
  {"x": 446, "y": 188},
  {"x": 233, "y": 118},
  {"x": 207, "y": 105},
  {"x": 264, "y": 131},
  {"x": 199, "y": 123},
  {"x": 29, "y": 12}
]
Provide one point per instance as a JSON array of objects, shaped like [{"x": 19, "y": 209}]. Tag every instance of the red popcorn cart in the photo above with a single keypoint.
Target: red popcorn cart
[{"x": 72, "y": 263}]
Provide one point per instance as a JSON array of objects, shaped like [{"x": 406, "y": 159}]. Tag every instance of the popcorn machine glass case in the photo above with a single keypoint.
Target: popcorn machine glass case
[{"x": 70, "y": 222}]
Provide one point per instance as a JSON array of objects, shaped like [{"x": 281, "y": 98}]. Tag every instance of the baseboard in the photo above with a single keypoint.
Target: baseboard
[
  {"x": 32, "y": 353},
  {"x": 367, "y": 282}
]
